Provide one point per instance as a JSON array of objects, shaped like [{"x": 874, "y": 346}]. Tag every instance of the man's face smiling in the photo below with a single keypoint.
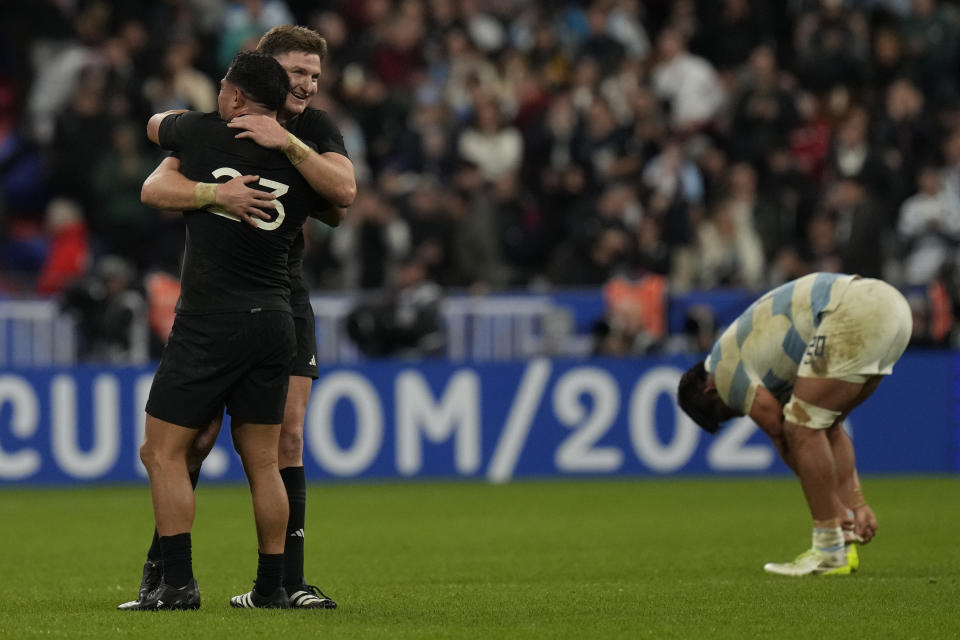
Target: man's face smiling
[{"x": 304, "y": 72}]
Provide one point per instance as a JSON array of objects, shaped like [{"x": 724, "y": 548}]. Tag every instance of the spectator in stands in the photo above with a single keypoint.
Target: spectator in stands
[
  {"x": 787, "y": 194},
  {"x": 932, "y": 46},
  {"x": 645, "y": 130},
  {"x": 687, "y": 82},
  {"x": 463, "y": 70},
  {"x": 431, "y": 230},
  {"x": 402, "y": 322},
  {"x": 66, "y": 64},
  {"x": 634, "y": 320},
  {"x": 370, "y": 242},
  {"x": 600, "y": 145},
  {"x": 162, "y": 292},
  {"x": 676, "y": 192},
  {"x": 741, "y": 195},
  {"x": 831, "y": 46},
  {"x": 809, "y": 141},
  {"x": 929, "y": 227},
  {"x": 671, "y": 174},
  {"x": 68, "y": 257},
  {"x": 549, "y": 146},
  {"x": 245, "y": 21},
  {"x": 180, "y": 85},
  {"x": 714, "y": 164},
  {"x": 950, "y": 173},
  {"x": 495, "y": 147},
  {"x": 730, "y": 251},
  {"x": 125, "y": 63},
  {"x": 79, "y": 141},
  {"x": 398, "y": 58},
  {"x": 625, "y": 25},
  {"x": 858, "y": 220},
  {"x": 888, "y": 62},
  {"x": 478, "y": 238},
  {"x": 773, "y": 226},
  {"x": 609, "y": 255},
  {"x": 599, "y": 45},
  {"x": 485, "y": 30},
  {"x": 527, "y": 235},
  {"x": 425, "y": 149},
  {"x": 569, "y": 210},
  {"x": 653, "y": 254},
  {"x": 699, "y": 331},
  {"x": 853, "y": 156},
  {"x": 905, "y": 134},
  {"x": 547, "y": 55},
  {"x": 122, "y": 220},
  {"x": 734, "y": 33},
  {"x": 763, "y": 112},
  {"x": 822, "y": 248},
  {"x": 111, "y": 313}
]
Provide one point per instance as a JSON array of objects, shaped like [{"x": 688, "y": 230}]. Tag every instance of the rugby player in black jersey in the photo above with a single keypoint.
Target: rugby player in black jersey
[
  {"x": 330, "y": 172},
  {"x": 233, "y": 340}
]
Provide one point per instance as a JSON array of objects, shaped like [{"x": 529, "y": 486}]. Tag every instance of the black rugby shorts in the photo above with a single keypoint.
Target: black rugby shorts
[
  {"x": 241, "y": 361},
  {"x": 305, "y": 362}
]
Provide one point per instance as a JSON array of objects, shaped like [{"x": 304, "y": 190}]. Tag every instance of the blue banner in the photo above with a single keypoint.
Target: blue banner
[{"x": 495, "y": 421}]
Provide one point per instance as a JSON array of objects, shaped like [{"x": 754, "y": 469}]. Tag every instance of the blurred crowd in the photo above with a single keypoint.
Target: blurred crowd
[{"x": 521, "y": 144}]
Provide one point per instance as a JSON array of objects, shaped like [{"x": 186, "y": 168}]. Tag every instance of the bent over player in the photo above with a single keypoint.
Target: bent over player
[
  {"x": 797, "y": 361},
  {"x": 233, "y": 340}
]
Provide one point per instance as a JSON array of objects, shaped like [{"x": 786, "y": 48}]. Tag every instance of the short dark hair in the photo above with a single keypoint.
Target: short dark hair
[
  {"x": 693, "y": 399},
  {"x": 285, "y": 38},
  {"x": 260, "y": 77}
]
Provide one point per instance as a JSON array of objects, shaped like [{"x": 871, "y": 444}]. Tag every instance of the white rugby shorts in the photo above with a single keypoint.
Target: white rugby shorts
[{"x": 862, "y": 337}]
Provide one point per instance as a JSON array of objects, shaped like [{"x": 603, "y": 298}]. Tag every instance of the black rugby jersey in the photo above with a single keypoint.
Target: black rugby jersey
[
  {"x": 315, "y": 128},
  {"x": 228, "y": 265}
]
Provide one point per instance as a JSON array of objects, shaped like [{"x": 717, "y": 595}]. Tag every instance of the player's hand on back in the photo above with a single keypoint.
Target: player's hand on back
[
  {"x": 242, "y": 200},
  {"x": 262, "y": 129}
]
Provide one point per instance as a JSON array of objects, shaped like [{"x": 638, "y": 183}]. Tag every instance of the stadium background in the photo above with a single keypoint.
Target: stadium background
[{"x": 559, "y": 206}]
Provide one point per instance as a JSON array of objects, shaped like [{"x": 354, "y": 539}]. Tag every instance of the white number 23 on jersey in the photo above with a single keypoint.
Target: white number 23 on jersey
[{"x": 277, "y": 189}]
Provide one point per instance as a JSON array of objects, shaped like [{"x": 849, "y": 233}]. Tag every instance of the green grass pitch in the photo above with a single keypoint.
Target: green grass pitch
[{"x": 560, "y": 559}]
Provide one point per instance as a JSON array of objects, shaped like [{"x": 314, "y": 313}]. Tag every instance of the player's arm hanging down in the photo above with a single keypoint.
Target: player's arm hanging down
[
  {"x": 768, "y": 414},
  {"x": 848, "y": 482}
]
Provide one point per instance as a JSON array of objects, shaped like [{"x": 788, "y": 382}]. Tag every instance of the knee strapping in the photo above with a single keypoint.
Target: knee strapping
[{"x": 805, "y": 414}]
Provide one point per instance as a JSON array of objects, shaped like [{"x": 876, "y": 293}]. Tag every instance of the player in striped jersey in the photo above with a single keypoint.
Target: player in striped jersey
[{"x": 797, "y": 361}]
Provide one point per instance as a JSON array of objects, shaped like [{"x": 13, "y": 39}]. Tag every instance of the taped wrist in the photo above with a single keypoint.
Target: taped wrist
[
  {"x": 204, "y": 194},
  {"x": 807, "y": 415},
  {"x": 858, "y": 499},
  {"x": 295, "y": 150}
]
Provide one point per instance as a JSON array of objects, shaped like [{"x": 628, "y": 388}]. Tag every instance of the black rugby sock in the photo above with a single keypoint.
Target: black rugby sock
[
  {"x": 153, "y": 553},
  {"x": 294, "y": 481},
  {"x": 177, "y": 559},
  {"x": 269, "y": 573}
]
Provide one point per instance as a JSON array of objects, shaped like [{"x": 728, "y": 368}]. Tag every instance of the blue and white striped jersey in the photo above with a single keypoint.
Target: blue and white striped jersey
[{"x": 766, "y": 344}]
